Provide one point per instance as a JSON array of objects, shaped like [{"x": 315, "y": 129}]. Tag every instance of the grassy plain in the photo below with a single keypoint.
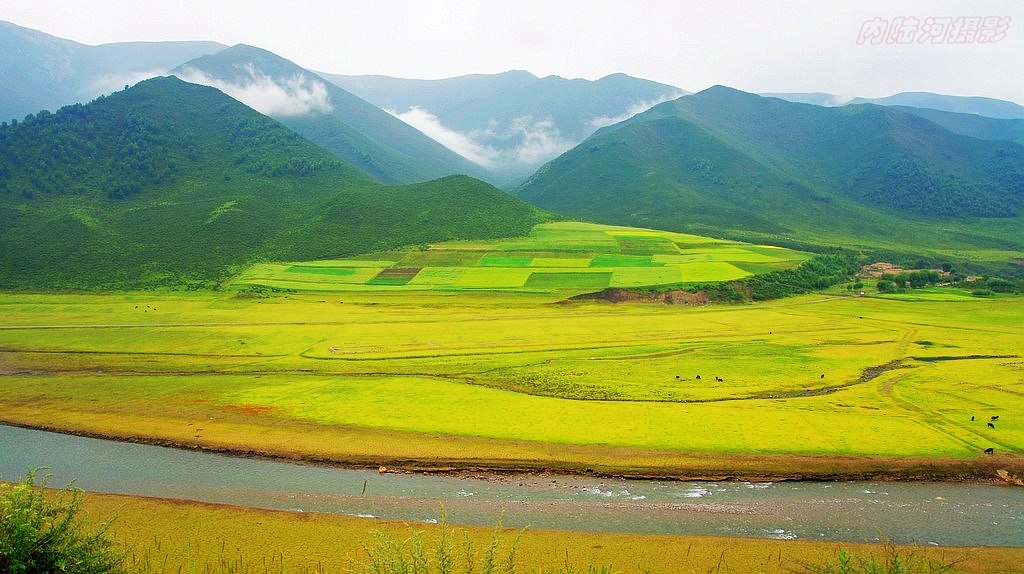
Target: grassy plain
[
  {"x": 811, "y": 386},
  {"x": 175, "y": 536}
]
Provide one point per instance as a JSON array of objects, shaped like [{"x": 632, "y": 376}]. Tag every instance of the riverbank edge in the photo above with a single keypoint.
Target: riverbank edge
[
  {"x": 165, "y": 531},
  {"x": 748, "y": 468}
]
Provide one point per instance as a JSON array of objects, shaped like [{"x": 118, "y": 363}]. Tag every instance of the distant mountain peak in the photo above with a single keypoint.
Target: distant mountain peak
[{"x": 329, "y": 115}]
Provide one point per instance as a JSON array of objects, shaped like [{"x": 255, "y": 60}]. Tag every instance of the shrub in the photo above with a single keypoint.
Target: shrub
[{"x": 41, "y": 532}]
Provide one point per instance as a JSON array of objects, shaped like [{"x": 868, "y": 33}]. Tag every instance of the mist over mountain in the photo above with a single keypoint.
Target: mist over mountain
[
  {"x": 511, "y": 122},
  {"x": 725, "y": 160},
  {"x": 39, "y": 71},
  {"x": 356, "y": 130}
]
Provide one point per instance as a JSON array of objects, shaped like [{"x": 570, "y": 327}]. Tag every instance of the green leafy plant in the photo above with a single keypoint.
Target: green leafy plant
[{"x": 41, "y": 531}]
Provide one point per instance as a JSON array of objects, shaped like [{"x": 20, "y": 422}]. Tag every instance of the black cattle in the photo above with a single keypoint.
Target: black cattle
[
  {"x": 972, "y": 419},
  {"x": 990, "y": 450},
  {"x": 991, "y": 426},
  {"x": 677, "y": 377},
  {"x": 720, "y": 379},
  {"x": 698, "y": 377},
  {"x": 994, "y": 418},
  {"x": 822, "y": 376}
]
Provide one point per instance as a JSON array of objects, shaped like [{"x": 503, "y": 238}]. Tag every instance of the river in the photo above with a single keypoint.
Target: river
[{"x": 947, "y": 514}]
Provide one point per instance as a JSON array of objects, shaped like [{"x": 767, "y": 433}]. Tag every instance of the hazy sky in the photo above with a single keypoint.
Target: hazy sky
[{"x": 777, "y": 46}]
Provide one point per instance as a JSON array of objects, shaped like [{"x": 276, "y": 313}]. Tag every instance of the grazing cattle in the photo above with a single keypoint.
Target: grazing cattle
[
  {"x": 698, "y": 377},
  {"x": 994, "y": 418},
  {"x": 972, "y": 419},
  {"x": 822, "y": 376},
  {"x": 720, "y": 379},
  {"x": 677, "y": 377},
  {"x": 990, "y": 450},
  {"x": 991, "y": 426}
]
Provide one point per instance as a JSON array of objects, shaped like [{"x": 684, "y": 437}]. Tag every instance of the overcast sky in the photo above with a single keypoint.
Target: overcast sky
[{"x": 777, "y": 46}]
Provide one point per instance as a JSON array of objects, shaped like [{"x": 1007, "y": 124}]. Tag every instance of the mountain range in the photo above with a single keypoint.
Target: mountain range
[
  {"x": 42, "y": 72},
  {"x": 726, "y": 161},
  {"x": 174, "y": 184},
  {"x": 351, "y": 128},
  {"x": 988, "y": 107},
  {"x": 511, "y": 122}
]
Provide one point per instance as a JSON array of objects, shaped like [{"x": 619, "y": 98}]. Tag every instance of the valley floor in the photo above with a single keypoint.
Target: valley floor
[{"x": 811, "y": 387}]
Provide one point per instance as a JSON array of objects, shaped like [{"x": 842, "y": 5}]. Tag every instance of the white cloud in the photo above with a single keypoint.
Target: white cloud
[
  {"x": 460, "y": 143},
  {"x": 113, "y": 82},
  {"x": 533, "y": 141},
  {"x": 602, "y": 121},
  {"x": 296, "y": 95},
  {"x": 539, "y": 140}
]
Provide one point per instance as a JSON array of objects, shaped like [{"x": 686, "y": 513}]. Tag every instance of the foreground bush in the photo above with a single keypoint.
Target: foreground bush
[{"x": 41, "y": 532}]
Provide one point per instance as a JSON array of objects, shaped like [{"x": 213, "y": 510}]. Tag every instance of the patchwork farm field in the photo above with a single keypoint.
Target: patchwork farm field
[
  {"x": 562, "y": 258},
  {"x": 814, "y": 386}
]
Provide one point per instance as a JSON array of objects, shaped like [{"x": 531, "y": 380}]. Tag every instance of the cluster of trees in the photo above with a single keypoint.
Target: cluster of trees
[
  {"x": 820, "y": 272},
  {"x": 57, "y": 153},
  {"x": 264, "y": 147},
  {"x": 988, "y": 286},
  {"x": 908, "y": 279}
]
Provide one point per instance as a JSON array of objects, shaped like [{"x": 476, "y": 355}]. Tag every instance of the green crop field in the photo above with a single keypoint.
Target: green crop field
[
  {"x": 562, "y": 259},
  {"x": 507, "y": 379}
]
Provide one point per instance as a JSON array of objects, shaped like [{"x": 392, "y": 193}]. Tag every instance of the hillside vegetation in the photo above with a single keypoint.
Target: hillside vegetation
[
  {"x": 723, "y": 162},
  {"x": 173, "y": 184}
]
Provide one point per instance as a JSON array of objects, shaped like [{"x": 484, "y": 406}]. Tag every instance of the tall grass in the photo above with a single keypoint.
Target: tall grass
[
  {"x": 893, "y": 560},
  {"x": 443, "y": 555}
]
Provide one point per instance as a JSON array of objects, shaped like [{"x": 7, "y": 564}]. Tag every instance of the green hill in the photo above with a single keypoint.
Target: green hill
[
  {"x": 344, "y": 124},
  {"x": 973, "y": 125},
  {"x": 174, "y": 184},
  {"x": 730, "y": 163}
]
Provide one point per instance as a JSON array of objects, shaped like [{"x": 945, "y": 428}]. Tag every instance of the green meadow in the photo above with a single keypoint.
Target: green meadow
[
  {"x": 804, "y": 386},
  {"x": 561, "y": 258},
  {"x": 475, "y": 354}
]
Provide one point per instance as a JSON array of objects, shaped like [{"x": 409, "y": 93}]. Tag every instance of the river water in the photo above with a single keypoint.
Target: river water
[{"x": 921, "y": 513}]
